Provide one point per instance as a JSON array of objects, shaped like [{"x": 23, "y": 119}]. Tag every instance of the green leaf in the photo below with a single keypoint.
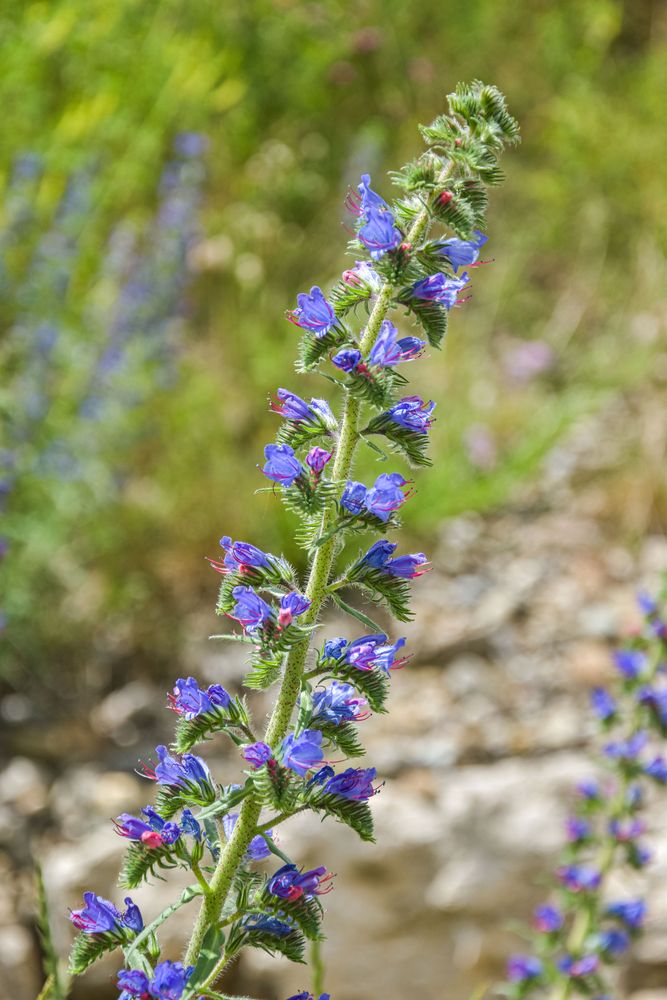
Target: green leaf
[
  {"x": 431, "y": 317},
  {"x": 359, "y": 615},
  {"x": 87, "y": 948},
  {"x": 356, "y": 815},
  {"x": 345, "y": 737},
  {"x": 373, "y": 684},
  {"x": 279, "y": 788},
  {"x": 140, "y": 862},
  {"x": 189, "y": 732},
  {"x": 312, "y": 350}
]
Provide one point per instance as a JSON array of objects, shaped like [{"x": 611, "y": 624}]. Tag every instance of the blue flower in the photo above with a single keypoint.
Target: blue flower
[
  {"x": 292, "y": 605},
  {"x": 440, "y": 288},
  {"x": 282, "y": 466},
  {"x": 614, "y": 942},
  {"x": 241, "y": 555},
  {"x": 647, "y": 604},
  {"x": 250, "y": 610},
  {"x": 97, "y": 916},
  {"x": 370, "y": 199},
  {"x": 268, "y": 925},
  {"x": 190, "y": 825},
  {"x": 133, "y": 983},
  {"x": 657, "y": 769},
  {"x": 132, "y": 917},
  {"x": 631, "y": 913},
  {"x": 412, "y": 413},
  {"x": 317, "y": 413},
  {"x": 338, "y": 703},
  {"x": 523, "y": 967},
  {"x": 386, "y": 495},
  {"x": 374, "y": 651},
  {"x": 356, "y": 783},
  {"x": 258, "y": 849},
  {"x": 170, "y": 980},
  {"x": 379, "y": 234},
  {"x": 656, "y": 699},
  {"x": 321, "y": 776},
  {"x": 588, "y": 790},
  {"x": 407, "y": 567},
  {"x": 626, "y": 749},
  {"x": 548, "y": 919},
  {"x": 333, "y": 648},
  {"x": 290, "y": 884},
  {"x": 313, "y": 312},
  {"x": 301, "y": 753},
  {"x": 603, "y": 704},
  {"x": 577, "y": 829},
  {"x": 257, "y": 754},
  {"x": 354, "y": 497},
  {"x": 317, "y": 458},
  {"x": 347, "y": 360},
  {"x": 187, "y": 773},
  {"x": 579, "y": 878},
  {"x": 362, "y": 274},
  {"x": 388, "y": 350},
  {"x": 379, "y": 554},
  {"x": 190, "y": 701},
  {"x": 460, "y": 253},
  {"x": 631, "y": 663}
]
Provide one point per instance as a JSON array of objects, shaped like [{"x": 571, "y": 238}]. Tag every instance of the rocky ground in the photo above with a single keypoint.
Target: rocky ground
[{"x": 487, "y": 732}]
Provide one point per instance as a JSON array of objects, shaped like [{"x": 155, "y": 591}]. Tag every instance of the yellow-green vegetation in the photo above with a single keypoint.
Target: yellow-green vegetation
[{"x": 296, "y": 99}]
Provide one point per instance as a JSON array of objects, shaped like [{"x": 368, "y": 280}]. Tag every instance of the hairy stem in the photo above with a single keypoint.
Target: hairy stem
[{"x": 316, "y": 590}]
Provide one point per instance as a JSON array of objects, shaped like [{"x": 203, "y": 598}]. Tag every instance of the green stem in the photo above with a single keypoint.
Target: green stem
[{"x": 316, "y": 590}]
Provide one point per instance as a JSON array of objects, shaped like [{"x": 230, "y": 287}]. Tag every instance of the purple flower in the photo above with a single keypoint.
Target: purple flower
[
  {"x": 241, "y": 555},
  {"x": 440, "y": 288},
  {"x": 132, "y": 917},
  {"x": 317, "y": 458},
  {"x": 388, "y": 350},
  {"x": 656, "y": 699},
  {"x": 250, "y": 610},
  {"x": 657, "y": 769},
  {"x": 268, "y": 925},
  {"x": 577, "y": 968},
  {"x": 338, "y": 703},
  {"x": 368, "y": 199},
  {"x": 626, "y": 831},
  {"x": 631, "y": 913},
  {"x": 305, "y": 995},
  {"x": 133, "y": 983},
  {"x": 588, "y": 790},
  {"x": 190, "y": 701},
  {"x": 187, "y": 773},
  {"x": 257, "y": 753},
  {"x": 548, "y": 919},
  {"x": 347, "y": 360},
  {"x": 292, "y": 605},
  {"x": 374, "y": 651},
  {"x": 301, "y": 753},
  {"x": 313, "y": 312},
  {"x": 356, "y": 783},
  {"x": 647, "y": 605},
  {"x": 156, "y": 833},
  {"x": 523, "y": 967},
  {"x": 407, "y": 567},
  {"x": 461, "y": 253},
  {"x": 629, "y": 662},
  {"x": 412, "y": 413},
  {"x": 354, "y": 497},
  {"x": 579, "y": 878},
  {"x": 290, "y": 884},
  {"x": 379, "y": 234},
  {"x": 97, "y": 916},
  {"x": 385, "y": 496},
  {"x": 318, "y": 413},
  {"x": 258, "y": 849},
  {"x": 363, "y": 274},
  {"x": 577, "y": 829},
  {"x": 603, "y": 704},
  {"x": 282, "y": 466},
  {"x": 626, "y": 749}
]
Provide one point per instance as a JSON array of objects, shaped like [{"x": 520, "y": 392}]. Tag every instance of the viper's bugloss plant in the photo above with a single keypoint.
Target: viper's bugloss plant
[
  {"x": 582, "y": 929},
  {"x": 323, "y": 693}
]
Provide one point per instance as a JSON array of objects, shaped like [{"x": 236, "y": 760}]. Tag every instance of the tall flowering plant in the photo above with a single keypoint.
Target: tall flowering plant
[
  {"x": 323, "y": 693},
  {"x": 582, "y": 929}
]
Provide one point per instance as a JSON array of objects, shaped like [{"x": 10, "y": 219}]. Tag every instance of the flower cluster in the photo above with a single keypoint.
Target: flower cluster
[
  {"x": 303, "y": 759},
  {"x": 580, "y": 932}
]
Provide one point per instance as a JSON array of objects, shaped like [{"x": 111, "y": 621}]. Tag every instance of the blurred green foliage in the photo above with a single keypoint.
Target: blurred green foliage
[{"x": 296, "y": 99}]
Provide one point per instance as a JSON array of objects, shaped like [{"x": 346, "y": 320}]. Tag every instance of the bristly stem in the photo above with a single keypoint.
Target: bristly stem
[{"x": 320, "y": 573}]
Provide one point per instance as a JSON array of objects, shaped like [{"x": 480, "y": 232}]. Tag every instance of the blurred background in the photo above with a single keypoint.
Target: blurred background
[{"x": 172, "y": 174}]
